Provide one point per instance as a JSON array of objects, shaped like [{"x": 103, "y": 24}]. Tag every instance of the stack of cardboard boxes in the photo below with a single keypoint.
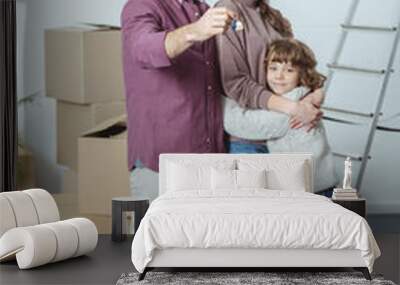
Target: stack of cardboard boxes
[
  {"x": 84, "y": 73},
  {"x": 25, "y": 169}
]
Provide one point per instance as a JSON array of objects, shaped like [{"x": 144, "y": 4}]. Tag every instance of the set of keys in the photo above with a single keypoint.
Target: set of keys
[{"x": 236, "y": 25}]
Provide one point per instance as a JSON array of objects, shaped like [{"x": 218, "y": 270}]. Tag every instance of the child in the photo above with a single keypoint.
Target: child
[{"x": 291, "y": 72}]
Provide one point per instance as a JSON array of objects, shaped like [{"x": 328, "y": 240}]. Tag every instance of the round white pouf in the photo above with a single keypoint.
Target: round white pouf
[
  {"x": 33, "y": 246},
  {"x": 24, "y": 211},
  {"x": 7, "y": 216},
  {"x": 52, "y": 242},
  {"x": 67, "y": 240},
  {"x": 87, "y": 233},
  {"x": 46, "y": 207}
]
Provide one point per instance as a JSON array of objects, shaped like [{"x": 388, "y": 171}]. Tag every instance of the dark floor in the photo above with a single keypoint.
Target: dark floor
[
  {"x": 110, "y": 259},
  {"x": 103, "y": 266}
]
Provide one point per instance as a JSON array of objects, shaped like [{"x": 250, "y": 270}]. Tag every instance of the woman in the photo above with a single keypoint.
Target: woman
[{"x": 241, "y": 56}]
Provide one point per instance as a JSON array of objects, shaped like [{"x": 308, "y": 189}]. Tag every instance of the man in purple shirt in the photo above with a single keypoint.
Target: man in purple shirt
[{"x": 172, "y": 83}]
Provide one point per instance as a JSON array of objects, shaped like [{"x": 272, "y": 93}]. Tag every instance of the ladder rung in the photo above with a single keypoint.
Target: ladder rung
[
  {"x": 352, "y": 156},
  {"x": 349, "y": 122},
  {"x": 357, "y": 69},
  {"x": 338, "y": 110},
  {"x": 343, "y": 121},
  {"x": 389, "y": 129},
  {"x": 369, "y": 28}
]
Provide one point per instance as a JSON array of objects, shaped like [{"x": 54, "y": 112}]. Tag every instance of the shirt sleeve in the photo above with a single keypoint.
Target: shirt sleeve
[
  {"x": 257, "y": 124},
  {"x": 253, "y": 124},
  {"x": 144, "y": 35},
  {"x": 236, "y": 76}
]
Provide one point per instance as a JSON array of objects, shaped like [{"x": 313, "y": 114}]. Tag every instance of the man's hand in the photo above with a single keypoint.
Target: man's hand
[{"x": 214, "y": 22}]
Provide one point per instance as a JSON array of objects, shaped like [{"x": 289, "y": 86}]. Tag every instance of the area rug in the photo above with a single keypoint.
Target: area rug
[{"x": 244, "y": 278}]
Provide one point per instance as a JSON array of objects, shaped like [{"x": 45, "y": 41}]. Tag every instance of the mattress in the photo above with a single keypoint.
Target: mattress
[{"x": 250, "y": 219}]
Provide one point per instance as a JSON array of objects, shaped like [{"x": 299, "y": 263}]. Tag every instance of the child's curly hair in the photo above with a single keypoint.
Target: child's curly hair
[{"x": 293, "y": 51}]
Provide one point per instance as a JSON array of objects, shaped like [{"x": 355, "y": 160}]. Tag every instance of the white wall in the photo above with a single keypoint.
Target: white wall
[{"x": 315, "y": 22}]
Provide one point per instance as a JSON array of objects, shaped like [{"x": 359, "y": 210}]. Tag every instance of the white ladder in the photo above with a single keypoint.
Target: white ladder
[{"x": 373, "y": 117}]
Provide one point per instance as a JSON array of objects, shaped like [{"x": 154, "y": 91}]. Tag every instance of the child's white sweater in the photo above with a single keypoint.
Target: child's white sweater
[{"x": 274, "y": 127}]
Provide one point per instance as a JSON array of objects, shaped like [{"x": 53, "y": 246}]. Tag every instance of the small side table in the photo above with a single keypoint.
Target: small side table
[
  {"x": 358, "y": 206},
  {"x": 122, "y": 204}
]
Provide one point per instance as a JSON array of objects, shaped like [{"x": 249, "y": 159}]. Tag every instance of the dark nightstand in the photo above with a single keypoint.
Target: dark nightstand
[
  {"x": 358, "y": 206},
  {"x": 122, "y": 204}
]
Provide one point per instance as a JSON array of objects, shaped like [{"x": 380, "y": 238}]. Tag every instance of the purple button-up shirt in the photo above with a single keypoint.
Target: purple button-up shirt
[{"x": 173, "y": 106}]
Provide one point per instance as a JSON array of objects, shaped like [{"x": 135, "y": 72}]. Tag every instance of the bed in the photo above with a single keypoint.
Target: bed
[{"x": 241, "y": 210}]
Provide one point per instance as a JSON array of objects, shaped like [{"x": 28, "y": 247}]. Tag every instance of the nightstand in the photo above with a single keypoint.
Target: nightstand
[
  {"x": 358, "y": 206},
  {"x": 122, "y": 204}
]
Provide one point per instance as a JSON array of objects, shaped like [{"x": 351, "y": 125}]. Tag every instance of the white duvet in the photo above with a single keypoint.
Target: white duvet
[{"x": 250, "y": 219}]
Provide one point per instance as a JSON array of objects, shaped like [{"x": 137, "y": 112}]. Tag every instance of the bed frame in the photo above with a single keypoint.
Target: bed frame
[{"x": 242, "y": 259}]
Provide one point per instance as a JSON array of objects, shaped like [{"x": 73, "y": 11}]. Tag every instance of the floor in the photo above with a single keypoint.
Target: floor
[
  {"x": 110, "y": 260},
  {"x": 103, "y": 266}
]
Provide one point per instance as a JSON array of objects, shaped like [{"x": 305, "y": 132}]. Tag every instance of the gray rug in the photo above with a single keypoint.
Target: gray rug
[{"x": 244, "y": 278}]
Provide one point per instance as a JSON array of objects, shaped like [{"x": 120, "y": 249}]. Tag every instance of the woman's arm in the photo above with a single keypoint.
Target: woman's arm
[
  {"x": 316, "y": 98},
  {"x": 237, "y": 80},
  {"x": 240, "y": 86},
  {"x": 302, "y": 113}
]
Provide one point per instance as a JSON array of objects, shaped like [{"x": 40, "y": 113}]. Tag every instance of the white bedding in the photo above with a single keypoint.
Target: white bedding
[{"x": 252, "y": 218}]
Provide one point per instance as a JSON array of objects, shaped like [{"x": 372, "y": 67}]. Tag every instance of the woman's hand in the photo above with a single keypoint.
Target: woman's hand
[
  {"x": 316, "y": 98},
  {"x": 302, "y": 113},
  {"x": 305, "y": 114}
]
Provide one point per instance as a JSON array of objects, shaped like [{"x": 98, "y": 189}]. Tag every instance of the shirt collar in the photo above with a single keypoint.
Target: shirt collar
[
  {"x": 190, "y": 1},
  {"x": 252, "y": 3}
]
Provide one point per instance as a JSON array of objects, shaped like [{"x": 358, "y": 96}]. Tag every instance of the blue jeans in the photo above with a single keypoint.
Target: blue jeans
[
  {"x": 327, "y": 192},
  {"x": 241, "y": 147},
  {"x": 143, "y": 182}
]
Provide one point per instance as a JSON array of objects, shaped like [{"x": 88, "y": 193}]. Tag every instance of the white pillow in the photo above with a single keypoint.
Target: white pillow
[
  {"x": 282, "y": 174},
  {"x": 237, "y": 179},
  {"x": 292, "y": 179},
  {"x": 223, "y": 179},
  {"x": 187, "y": 175},
  {"x": 251, "y": 179}
]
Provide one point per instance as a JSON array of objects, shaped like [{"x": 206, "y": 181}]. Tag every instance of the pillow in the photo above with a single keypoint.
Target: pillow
[
  {"x": 282, "y": 174},
  {"x": 223, "y": 179},
  {"x": 251, "y": 179},
  {"x": 237, "y": 179},
  {"x": 292, "y": 179},
  {"x": 193, "y": 175}
]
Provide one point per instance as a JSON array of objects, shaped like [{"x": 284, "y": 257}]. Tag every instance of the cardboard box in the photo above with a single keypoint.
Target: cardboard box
[
  {"x": 84, "y": 65},
  {"x": 68, "y": 206},
  {"x": 68, "y": 203},
  {"x": 67, "y": 199},
  {"x": 102, "y": 166},
  {"x": 70, "y": 183},
  {"x": 75, "y": 119},
  {"x": 25, "y": 169},
  {"x": 102, "y": 222}
]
